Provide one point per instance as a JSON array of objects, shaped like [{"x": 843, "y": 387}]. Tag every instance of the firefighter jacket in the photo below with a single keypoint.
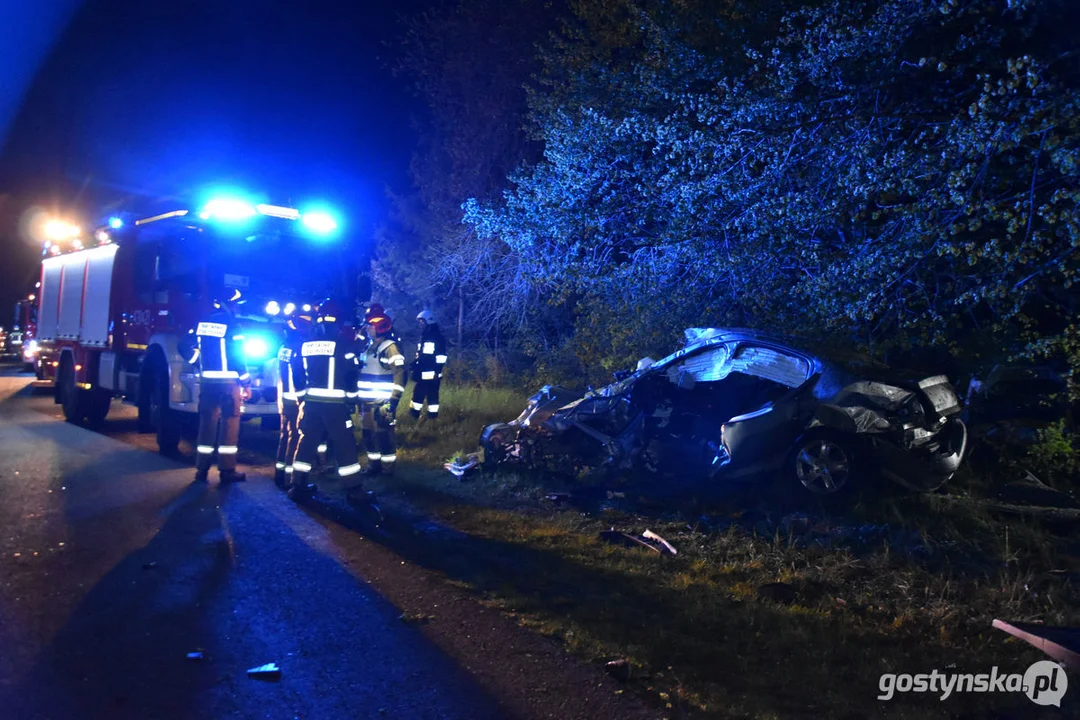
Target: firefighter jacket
[
  {"x": 215, "y": 345},
  {"x": 325, "y": 370},
  {"x": 382, "y": 376},
  {"x": 289, "y": 380},
  {"x": 430, "y": 354}
]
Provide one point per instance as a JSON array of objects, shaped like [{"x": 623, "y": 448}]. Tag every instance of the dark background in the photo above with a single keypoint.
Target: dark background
[{"x": 138, "y": 100}]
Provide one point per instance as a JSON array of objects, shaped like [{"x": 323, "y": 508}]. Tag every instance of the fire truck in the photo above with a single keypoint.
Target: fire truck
[
  {"x": 113, "y": 305},
  {"x": 21, "y": 341}
]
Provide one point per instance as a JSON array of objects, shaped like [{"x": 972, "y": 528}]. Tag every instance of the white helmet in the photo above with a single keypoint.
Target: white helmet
[{"x": 427, "y": 316}]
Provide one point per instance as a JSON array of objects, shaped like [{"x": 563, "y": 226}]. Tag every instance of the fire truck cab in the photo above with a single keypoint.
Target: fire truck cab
[{"x": 115, "y": 306}]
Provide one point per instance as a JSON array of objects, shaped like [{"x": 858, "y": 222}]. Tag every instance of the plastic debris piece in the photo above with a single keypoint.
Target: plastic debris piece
[
  {"x": 650, "y": 535},
  {"x": 196, "y": 655},
  {"x": 620, "y": 538},
  {"x": 461, "y": 466},
  {"x": 269, "y": 671}
]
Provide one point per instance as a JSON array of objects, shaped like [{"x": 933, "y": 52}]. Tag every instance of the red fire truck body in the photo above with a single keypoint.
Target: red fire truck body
[{"x": 112, "y": 312}]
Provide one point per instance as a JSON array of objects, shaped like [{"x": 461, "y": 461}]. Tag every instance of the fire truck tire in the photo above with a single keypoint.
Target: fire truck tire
[
  {"x": 165, "y": 420},
  {"x": 97, "y": 406},
  {"x": 72, "y": 401}
]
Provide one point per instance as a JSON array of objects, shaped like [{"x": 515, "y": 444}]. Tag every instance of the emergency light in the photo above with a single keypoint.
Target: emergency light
[
  {"x": 256, "y": 348},
  {"x": 319, "y": 222}
]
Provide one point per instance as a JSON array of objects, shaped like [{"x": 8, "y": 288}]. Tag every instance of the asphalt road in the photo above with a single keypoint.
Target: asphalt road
[{"x": 115, "y": 565}]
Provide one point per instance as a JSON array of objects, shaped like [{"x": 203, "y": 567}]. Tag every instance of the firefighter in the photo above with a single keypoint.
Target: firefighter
[
  {"x": 382, "y": 381},
  {"x": 224, "y": 383},
  {"x": 428, "y": 366},
  {"x": 297, "y": 330},
  {"x": 326, "y": 368}
]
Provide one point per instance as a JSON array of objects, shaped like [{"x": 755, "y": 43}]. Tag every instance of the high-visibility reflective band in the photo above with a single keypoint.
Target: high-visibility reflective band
[
  {"x": 290, "y": 396},
  {"x": 441, "y": 359},
  {"x": 429, "y": 348},
  {"x": 399, "y": 388},
  {"x": 302, "y": 466},
  {"x": 398, "y": 360},
  {"x": 373, "y": 456},
  {"x": 416, "y": 406},
  {"x": 194, "y": 357},
  {"x": 348, "y": 424},
  {"x": 227, "y": 449},
  {"x": 427, "y": 375},
  {"x": 389, "y": 458},
  {"x": 289, "y": 469},
  {"x": 205, "y": 449},
  {"x": 220, "y": 374},
  {"x": 330, "y": 374},
  {"x": 353, "y": 394},
  {"x": 279, "y": 466},
  {"x": 348, "y": 470},
  {"x": 224, "y": 355},
  {"x": 324, "y": 393},
  {"x": 323, "y": 447},
  {"x": 350, "y": 356},
  {"x": 433, "y": 408},
  {"x": 245, "y": 376}
]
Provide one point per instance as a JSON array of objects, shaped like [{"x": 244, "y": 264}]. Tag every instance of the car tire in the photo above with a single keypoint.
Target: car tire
[{"x": 824, "y": 464}]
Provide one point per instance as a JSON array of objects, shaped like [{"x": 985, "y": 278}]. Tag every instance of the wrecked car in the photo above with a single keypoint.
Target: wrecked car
[{"x": 735, "y": 404}]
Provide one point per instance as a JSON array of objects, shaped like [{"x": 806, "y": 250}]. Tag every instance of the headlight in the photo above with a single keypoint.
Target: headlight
[{"x": 30, "y": 350}]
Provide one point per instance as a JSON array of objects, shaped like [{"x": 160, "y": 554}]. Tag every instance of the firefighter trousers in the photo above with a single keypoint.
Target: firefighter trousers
[
  {"x": 425, "y": 392},
  {"x": 219, "y": 425},
  {"x": 328, "y": 419},
  {"x": 378, "y": 436},
  {"x": 289, "y": 436}
]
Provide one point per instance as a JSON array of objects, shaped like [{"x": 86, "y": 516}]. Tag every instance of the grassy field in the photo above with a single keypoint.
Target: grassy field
[{"x": 770, "y": 609}]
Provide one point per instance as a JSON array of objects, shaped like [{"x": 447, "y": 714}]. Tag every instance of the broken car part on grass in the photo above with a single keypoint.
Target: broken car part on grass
[{"x": 734, "y": 404}]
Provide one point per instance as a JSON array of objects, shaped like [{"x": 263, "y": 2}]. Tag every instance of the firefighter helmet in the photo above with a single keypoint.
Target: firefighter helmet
[
  {"x": 427, "y": 317},
  {"x": 374, "y": 312},
  {"x": 228, "y": 301},
  {"x": 329, "y": 311}
]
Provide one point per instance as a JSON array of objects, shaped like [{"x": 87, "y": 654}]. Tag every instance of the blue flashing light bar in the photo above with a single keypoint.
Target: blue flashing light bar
[
  {"x": 320, "y": 222},
  {"x": 256, "y": 348},
  {"x": 228, "y": 210},
  {"x": 116, "y": 223}
]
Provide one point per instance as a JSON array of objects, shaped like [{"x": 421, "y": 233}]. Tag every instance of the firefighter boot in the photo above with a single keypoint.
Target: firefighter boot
[
  {"x": 231, "y": 476},
  {"x": 201, "y": 476},
  {"x": 359, "y": 496},
  {"x": 301, "y": 489},
  {"x": 373, "y": 468}
]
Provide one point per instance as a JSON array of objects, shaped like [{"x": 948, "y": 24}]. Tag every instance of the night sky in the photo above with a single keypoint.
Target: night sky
[{"x": 143, "y": 100}]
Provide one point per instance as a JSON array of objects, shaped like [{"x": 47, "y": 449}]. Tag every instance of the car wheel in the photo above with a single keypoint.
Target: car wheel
[{"x": 825, "y": 464}]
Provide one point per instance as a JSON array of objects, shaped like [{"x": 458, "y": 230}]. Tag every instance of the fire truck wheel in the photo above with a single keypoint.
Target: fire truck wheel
[
  {"x": 165, "y": 420},
  {"x": 71, "y": 399},
  {"x": 97, "y": 406}
]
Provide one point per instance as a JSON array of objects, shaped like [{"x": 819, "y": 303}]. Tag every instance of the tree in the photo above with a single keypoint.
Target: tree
[{"x": 898, "y": 173}]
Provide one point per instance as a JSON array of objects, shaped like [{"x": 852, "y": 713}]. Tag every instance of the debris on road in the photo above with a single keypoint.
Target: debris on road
[
  {"x": 197, "y": 655},
  {"x": 460, "y": 466},
  {"x": 269, "y": 671},
  {"x": 650, "y": 535}
]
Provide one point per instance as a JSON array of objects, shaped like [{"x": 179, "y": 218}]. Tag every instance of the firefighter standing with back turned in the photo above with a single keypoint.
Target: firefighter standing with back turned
[
  {"x": 297, "y": 330},
  {"x": 223, "y": 385},
  {"x": 382, "y": 381},
  {"x": 326, "y": 368},
  {"x": 428, "y": 366}
]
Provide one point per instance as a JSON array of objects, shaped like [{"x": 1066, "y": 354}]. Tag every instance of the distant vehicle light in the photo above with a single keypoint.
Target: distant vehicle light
[
  {"x": 320, "y": 222},
  {"x": 228, "y": 210},
  {"x": 256, "y": 348},
  {"x": 272, "y": 308},
  {"x": 289, "y": 308},
  {"x": 307, "y": 308},
  {"x": 116, "y": 223}
]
